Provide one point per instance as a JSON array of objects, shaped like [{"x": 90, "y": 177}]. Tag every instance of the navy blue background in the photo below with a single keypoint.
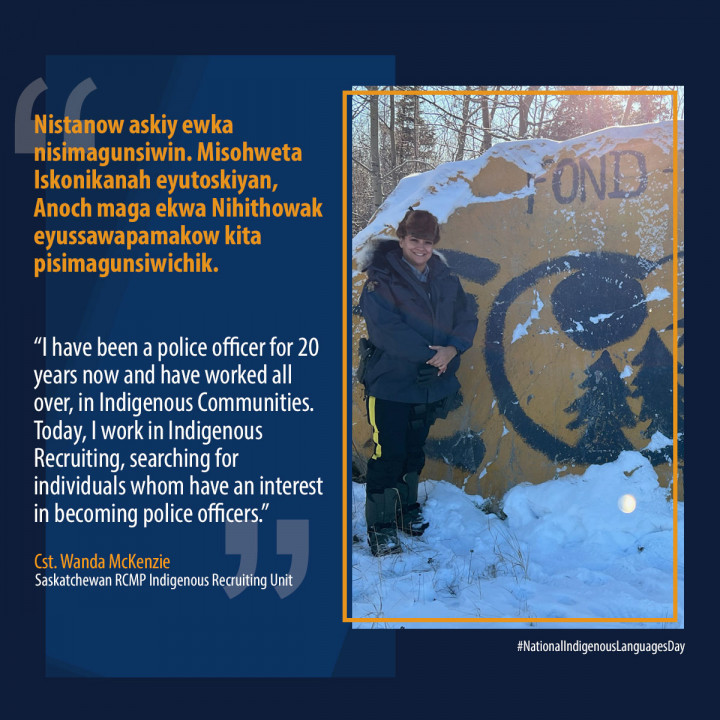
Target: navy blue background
[
  {"x": 290, "y": 286},
  {"x": 440, "y": 671}
]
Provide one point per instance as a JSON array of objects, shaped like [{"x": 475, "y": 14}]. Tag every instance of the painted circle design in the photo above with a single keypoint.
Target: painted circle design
[{"x": 603, "y": 287}]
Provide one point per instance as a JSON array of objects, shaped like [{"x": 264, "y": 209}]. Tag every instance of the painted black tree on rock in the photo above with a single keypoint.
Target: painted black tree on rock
[
  {"x": 654, "y": 384},
  {"x": 681, "y": 401},
  {"x": 681, "y": 422},
  {"x": 604, "y": 411}
]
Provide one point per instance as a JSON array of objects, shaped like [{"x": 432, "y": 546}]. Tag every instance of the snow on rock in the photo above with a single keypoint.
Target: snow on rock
[{"x": 447, "y": 187}]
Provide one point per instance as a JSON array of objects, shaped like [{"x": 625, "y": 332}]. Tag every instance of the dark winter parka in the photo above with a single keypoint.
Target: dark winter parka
[{"x": 404, "y": 316}]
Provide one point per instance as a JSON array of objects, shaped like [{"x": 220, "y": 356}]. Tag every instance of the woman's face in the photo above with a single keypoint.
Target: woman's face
[{"x": 416, "y": 251}]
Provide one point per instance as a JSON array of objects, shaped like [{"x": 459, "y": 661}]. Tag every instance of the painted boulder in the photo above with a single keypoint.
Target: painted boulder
[{"x": 572, "y": 253}]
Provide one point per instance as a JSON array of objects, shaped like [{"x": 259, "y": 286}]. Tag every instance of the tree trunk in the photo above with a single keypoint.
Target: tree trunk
[
  {"x": 462, "y": 133},
  {"x": 393, "y": 149},
  {"x": 485, "y": 108},
  {"x": 375, "y": 150},
  {"x": 524, "y": 111},
  {"x": 416, "y": 129},
  {"x": 539, "y": 131},
  {"x": 628, "y": 107}
]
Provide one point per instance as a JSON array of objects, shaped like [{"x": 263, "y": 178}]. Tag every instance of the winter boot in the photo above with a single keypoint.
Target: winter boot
[
  {"x": 409, "y": 514},
  {"x": 380, "y": 511}
]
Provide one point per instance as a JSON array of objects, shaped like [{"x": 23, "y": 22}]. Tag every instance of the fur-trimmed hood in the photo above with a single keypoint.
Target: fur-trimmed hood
[{"x": 384, "y": 251}]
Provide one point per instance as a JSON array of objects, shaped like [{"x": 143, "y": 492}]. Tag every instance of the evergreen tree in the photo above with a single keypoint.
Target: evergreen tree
[
  {"x": 414, "y": 137},
  {"x": 654, "y": 384},
  {"x": 603, "y": 411},
  {"x": 645, "y": 108},
  {"x": 581, "y": 114}
]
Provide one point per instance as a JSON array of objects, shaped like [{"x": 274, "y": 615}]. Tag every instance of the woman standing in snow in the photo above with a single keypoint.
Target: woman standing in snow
[{"x": 419, "y": 321}]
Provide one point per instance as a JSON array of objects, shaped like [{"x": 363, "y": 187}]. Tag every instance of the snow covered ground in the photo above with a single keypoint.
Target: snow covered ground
[{"x": 568, "y": 548}]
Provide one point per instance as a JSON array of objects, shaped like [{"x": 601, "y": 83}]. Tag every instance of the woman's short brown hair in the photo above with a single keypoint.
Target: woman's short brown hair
[{"x": 420, "y": 224}]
